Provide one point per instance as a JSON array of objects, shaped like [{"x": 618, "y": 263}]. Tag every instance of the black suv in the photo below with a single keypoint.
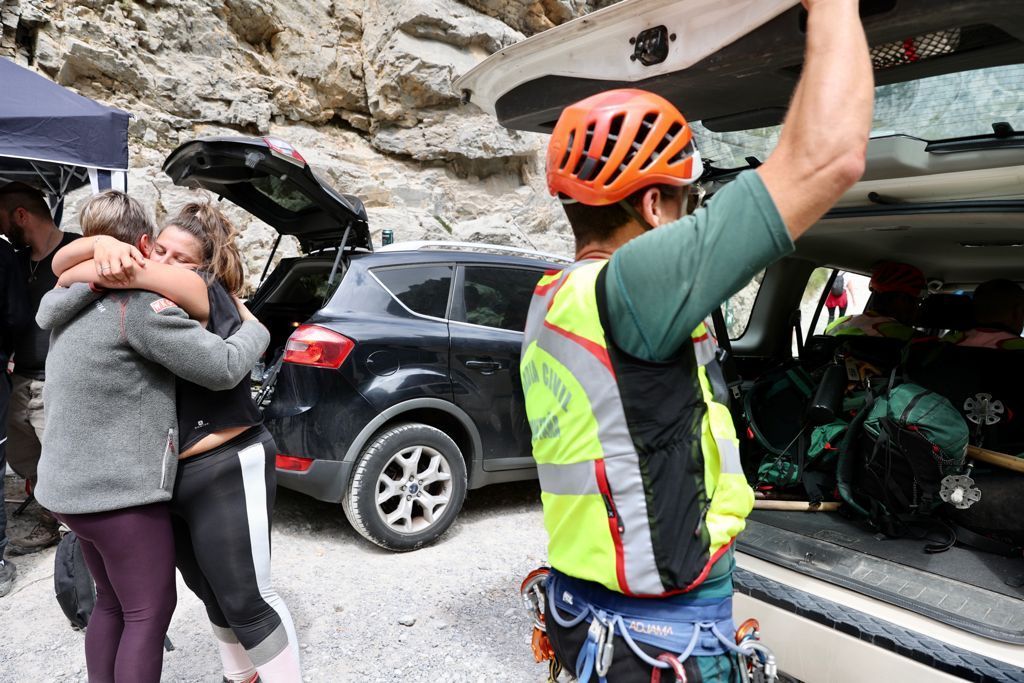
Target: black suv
[{"x": 392, "y": 384}]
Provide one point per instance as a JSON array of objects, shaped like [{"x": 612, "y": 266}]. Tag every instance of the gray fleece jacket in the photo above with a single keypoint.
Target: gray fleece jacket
[{"x": 110, "y": 441}]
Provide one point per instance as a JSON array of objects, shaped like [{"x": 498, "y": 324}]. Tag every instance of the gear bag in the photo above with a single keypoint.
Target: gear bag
[
  {"x": 72, "y": 582},
  {"x": 783, "y": 471},
  {"x": 911, "y": 439}
]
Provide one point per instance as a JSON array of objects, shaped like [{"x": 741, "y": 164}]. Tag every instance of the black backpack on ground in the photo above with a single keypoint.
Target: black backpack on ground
[{"x": 72, "y": 582}]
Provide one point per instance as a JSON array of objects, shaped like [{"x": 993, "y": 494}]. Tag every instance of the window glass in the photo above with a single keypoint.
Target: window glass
[
  {"x": 849, "y": 295},
  {"x": 282, "y": 193},
  {"x": 958, "y": 104},
  {"x": 738, "y": 307},
  {"x": 424, "y": 289},
  {"x": 498, "y": 297}
]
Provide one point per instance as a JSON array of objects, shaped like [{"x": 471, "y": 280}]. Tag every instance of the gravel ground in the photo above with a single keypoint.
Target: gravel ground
[{"x": 349, "y": 600}]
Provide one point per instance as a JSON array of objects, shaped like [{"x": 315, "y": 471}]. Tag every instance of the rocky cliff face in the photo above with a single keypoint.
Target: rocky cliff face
[{"x": 363, "y": 88}]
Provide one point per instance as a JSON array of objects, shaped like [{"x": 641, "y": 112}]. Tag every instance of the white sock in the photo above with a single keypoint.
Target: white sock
[
  {"x": 238, "y": 668},
  {"x": 283, "y": 668}
]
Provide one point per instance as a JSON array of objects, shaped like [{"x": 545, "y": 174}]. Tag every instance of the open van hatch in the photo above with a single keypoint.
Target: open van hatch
[
  {"x": 270, "y": 179},
  {"x": 733, "y": 65}
]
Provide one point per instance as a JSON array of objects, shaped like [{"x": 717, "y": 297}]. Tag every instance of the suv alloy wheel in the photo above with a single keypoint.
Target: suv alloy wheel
[{"x": 409, "y": 485}]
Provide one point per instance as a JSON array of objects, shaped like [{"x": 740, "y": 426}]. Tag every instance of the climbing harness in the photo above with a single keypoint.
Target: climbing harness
[{"x": 703, "y": 633}]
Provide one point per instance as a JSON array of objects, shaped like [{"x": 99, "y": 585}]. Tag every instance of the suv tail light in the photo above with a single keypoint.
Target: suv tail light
[
  {"x": 292, "y": 463},
  {"x": 318, "y": 347}
]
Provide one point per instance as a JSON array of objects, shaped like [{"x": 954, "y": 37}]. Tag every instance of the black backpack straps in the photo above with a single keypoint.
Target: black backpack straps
[
  {"x": 845, "y": 462},
  {"x": 986, "y": 544}
]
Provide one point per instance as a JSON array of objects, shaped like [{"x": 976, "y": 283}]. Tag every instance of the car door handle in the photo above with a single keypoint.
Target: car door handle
[{"x": 484, "y": 366}]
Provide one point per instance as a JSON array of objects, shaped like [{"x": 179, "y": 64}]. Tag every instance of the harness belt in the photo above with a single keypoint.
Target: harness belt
[{"x": 692, "y": 628}]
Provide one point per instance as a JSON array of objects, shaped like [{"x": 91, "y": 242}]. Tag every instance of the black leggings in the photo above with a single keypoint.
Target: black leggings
[{"x": 221, "y": 511}]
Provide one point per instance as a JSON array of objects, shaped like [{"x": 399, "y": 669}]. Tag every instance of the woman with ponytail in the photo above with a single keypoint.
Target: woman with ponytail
[{"x": 226, "y": 481}]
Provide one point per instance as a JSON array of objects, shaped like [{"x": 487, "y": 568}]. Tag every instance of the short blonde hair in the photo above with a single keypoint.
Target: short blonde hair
[{"x": 117, "y": 215}]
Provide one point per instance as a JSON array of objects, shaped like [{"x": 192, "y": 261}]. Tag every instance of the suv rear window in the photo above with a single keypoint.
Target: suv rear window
[
  {"x": 498, "y": 297},
  {"x": 423, "y": 289}
]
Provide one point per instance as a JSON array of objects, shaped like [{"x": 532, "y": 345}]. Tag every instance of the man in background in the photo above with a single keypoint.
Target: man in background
[
  {"x": 998, "y": 316},
  {"x": 13, "y": 317},
  {"x": 26, "y": 221}
]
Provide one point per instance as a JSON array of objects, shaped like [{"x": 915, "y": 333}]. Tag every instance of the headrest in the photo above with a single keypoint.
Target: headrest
[{"x": 946, "y": 312}]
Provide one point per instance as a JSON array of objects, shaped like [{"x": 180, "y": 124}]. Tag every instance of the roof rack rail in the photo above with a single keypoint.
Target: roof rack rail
[{"x": 425, "y": 245}]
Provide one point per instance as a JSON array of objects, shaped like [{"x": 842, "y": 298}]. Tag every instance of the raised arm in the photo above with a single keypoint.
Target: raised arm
[
  {"x": 824, "y": 137},
  {"x": 70, "y": 255},
  {"x": 181, "y": 285},
  {"x": 164, "y": 335},
  {"x": 115, "y": 261}
]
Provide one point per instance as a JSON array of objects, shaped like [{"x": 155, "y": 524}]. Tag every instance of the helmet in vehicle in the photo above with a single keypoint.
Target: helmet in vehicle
[
  {"x": 890, "y": 276},
  {"x": 608, "y": 146}
]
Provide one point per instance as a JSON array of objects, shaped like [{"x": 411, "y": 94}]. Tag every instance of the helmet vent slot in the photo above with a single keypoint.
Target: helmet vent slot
[
  {"x": 587, "y": 141},
  {"x": 682, "y": 155},
  {"x": 568, "y": 151},
  {"x": 614, "y": 130},
  {"x": 646, "y": 126},
  {"x": 663, "y": 143}
]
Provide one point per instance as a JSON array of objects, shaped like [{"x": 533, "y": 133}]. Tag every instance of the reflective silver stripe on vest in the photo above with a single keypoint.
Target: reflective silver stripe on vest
[
  {"x": 621, "y": 460},
  {"x": 729, "y": 456},
  {"x": 705, "y": 350},
  {"x": 575, "y": 479}
]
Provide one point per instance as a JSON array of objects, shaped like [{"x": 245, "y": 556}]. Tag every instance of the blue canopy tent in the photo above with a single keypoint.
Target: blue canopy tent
[{"x": 56, "y": 140}]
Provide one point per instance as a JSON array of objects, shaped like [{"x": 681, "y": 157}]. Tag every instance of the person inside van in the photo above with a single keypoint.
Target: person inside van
[
  {"x": 998, "y": 315},
  {"x": 896, "y": 290}
]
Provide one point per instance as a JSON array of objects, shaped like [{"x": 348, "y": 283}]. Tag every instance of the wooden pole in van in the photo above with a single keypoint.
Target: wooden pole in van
[
  {"x": 1003, "y": 460},
  {"x": 795, "y": 506}
]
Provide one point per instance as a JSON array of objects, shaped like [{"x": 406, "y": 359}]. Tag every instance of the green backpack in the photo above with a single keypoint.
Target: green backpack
[{"x": 912, "y": 439}]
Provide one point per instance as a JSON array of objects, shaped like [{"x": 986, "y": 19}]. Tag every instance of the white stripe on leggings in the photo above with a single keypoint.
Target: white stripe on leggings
[{"x": 253, "y": 460}]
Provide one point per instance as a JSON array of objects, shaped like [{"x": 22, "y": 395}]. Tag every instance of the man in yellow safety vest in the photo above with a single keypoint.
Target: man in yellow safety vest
[{"x": 639, "y": 468}]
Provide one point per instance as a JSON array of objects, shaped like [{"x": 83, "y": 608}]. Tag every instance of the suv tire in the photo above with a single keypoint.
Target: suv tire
[{"x": 408, "y": 487}]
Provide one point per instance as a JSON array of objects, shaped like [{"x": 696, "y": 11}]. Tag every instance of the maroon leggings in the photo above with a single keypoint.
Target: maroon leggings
[{"x": 130, "y": 554}]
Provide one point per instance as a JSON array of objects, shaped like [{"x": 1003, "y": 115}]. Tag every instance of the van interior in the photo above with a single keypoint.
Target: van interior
[{"x": 959, "y": 217}]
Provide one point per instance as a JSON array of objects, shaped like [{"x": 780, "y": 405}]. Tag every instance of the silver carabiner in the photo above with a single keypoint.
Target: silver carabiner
[{"x": 605, "y": 652}]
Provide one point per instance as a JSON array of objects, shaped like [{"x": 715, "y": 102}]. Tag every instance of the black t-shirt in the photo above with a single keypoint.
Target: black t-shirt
[
  {"x": 32, "y": 343},
  {"x": 13, "y": 301},
  {"x": 201, "y": 411}
]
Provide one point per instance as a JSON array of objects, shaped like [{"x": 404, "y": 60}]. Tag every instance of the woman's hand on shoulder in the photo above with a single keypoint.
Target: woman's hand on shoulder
[
  {"x": 243, "y": 310},
  {"x": 116, "y": 260}
]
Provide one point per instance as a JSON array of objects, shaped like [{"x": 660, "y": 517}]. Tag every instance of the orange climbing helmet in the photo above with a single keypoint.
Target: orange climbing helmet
[
  {"x": 890, "y": 276},
  {"x": 610, "y": 145}
]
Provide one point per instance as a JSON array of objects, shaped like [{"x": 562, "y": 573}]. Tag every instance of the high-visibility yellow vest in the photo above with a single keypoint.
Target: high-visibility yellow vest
[{"x": 639, "y": 467}]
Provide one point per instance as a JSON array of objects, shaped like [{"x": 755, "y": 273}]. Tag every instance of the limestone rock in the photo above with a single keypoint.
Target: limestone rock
[
  {"x": 464, "y": 133},
  {"x": 363, "y": 88}
]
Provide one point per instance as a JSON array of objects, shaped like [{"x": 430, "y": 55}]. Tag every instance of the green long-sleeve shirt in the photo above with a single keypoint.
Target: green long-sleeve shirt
[{"x": 661, "y": 285}]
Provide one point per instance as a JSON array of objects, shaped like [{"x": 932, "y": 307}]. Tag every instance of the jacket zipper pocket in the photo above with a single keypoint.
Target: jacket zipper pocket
[
  {"x": 168, "y": 449},
  {"x": 612, "y": 512}
]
